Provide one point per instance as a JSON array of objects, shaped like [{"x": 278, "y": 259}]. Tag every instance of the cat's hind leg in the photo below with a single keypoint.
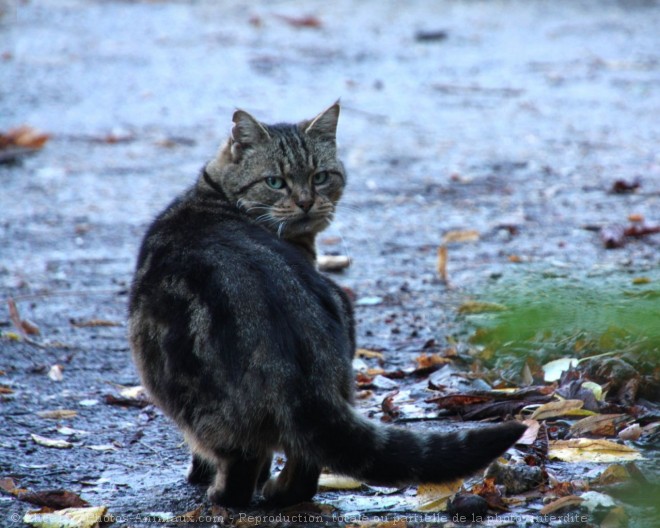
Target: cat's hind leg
[
  {"x": 298, "y": 482},
  {"x": 236, "y": 479},
  {"x": 201, "y": 471}
]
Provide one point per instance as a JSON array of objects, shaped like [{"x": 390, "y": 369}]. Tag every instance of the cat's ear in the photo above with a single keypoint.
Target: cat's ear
[
  {"x": 247, "y": 132},
  {"x": 324, "y": 125}
]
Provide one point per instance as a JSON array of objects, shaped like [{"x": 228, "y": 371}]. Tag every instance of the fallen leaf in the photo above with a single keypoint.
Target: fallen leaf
[
  {"x": 491, "y": 493},
  {"x": 49, "y": 442},
  {"x": 93, "y": 323},
  {"x": 390, "y": 410},
  {"x": 331, "y": 481},
  {"x": 625, "y": 186},
  {"x": 190, "y": 516},
  {"x": 56, "y": 499},
  {"x": 140, "y": 402},
  {"x": 556, "y": 408},
  {"x": 133, "y": 392},
  {"x": 57, "y": 414},
  {"x": 306, "y": 21},
  {"x": 599, "y": 424},
  {"x": 442, "y": 263},
  {"x": 595, "y": 499},
  {"x": 477, "y": 307},
  {"x": 363, "y": 352},
  {"x": 67, "y": 518},
  {"x": 553, "y": 369},
  {"x": 613, "y": 474},
  {"x": 333, "y": 262},
  {"x": 469, "y": 235},
  {"x": 434, "y": 497},
  {"x": 563, "y": 502},
  {"x": 632, "y": 433},
  {"x": 425, "y": 361},
  {"x": 6, "y": 390},
  {"x": 529, "y": 436},
  {"x": 103, "y": 447},
  {"x": 591, "y": 450},
  {"x": 55, "y": 373},
  {"x": 9, "y": 485}
]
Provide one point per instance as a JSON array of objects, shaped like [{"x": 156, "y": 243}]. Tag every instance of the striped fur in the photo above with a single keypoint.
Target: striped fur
[{"x": 248, "y": 348}]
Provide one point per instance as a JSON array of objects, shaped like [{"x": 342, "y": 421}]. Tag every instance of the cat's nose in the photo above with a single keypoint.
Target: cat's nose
[{"x": 305, "y": 204}]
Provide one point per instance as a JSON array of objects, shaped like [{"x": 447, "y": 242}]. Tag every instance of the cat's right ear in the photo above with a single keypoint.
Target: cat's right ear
[{"x": 246, "y": 133}]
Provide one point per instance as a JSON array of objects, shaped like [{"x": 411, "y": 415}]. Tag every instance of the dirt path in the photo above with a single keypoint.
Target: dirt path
[{"x": 513, "y": 119}]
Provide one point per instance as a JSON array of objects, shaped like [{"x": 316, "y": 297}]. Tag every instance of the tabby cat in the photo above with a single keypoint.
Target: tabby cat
[{"x": 248, "y": 348}]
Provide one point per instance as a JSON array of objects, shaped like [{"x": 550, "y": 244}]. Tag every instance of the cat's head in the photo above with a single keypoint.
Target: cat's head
[{"x": 287, "y": 176}]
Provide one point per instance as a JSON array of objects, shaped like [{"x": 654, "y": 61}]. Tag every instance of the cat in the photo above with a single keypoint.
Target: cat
[{"x": 248, "y": 348}]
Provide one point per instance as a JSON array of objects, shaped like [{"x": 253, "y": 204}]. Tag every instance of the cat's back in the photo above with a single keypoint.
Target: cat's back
[{"x": 223, "y": 286}]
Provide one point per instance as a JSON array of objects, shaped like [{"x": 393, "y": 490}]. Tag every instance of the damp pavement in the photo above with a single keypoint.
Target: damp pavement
[{"x": 512, "y": 119}]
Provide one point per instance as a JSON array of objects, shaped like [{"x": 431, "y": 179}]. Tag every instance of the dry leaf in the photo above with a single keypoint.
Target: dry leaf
[
  {"x": 330, "y": 481},
  {"x": 553, "y": 370},
  {"x": 589, "y": 450},
  {"x": 632, "y": 433},
  {"x": 529, "y": 436},
  {"x": 55, "y": 373},
  {"x": 477, "y": 307},
  {"x": 563, "y": 502},
  {"x": 613, "y": 474},
  {"x": 363, "y": 352},
  {"x": 58, "y": 414},
  {"x": 306, "y": 21},
  {"x": 434, "y": 497},
  {"x": 8, "y": 484},
  {"x": 599, "y": 424},
  {"x": 191, "y": 516},
  {"x": 442, "y": 263},
  {"x": 23, "y": 137},
  {"x": 67, "y": 518},
  {"x": 56, "y": 499},
  {"x": 49, "y": 442},
  {"x": 425, "y": 361},
  {"x": 333, "y": 262},
  {"x": 469, "y": 235},
  {"x": 93, "y": 323},
  {"x": 556, "y": 408}
]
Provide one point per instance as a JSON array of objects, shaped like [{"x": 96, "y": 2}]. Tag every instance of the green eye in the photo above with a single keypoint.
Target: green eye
[
  {"x": 275, "y": 182},
  {"x": 321, "y": 177}
]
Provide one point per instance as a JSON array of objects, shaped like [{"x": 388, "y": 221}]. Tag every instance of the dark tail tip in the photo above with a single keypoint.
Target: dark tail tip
[{"x": 496, "y": 439}]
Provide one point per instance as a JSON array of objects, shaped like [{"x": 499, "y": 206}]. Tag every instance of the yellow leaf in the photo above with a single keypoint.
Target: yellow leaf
[
  {"x": 67, "y": 518},
  {"x": 570, "y": 500},
  {"x": 470, "y": 235},
  {"x": 49, "y": 442},
  {"x": 434, "y": 497},
  {"x": 588, "y": 450},
  {"x": 330, "y": 481},
  {"x": 477, "y": 307},
  {"x": 363, "y": 352},
  {"x": 556, "y": 408},
  {"x": 57, "y": 414}
]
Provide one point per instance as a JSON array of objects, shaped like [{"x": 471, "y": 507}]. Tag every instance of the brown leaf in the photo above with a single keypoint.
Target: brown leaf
[
  {"x": 529, "y": 436},
  {"x": 140, "y": 402},
  {"x": 92, "y": 323},
  {"x": 564, "y": 502},
  {"x": 442, "y": 263},
  {"x": 23, "y": 136},
  {"x": 57, "y": 499},
  {"x": 305, "y": 21},
  {"x": 470, "y": 235},
  {"x": 489, "y": 491},
  {"x": 625, "y": 186},
  {"x": 57, "y": 414},
  {"x": 425, "y": 361},
  {"x": 600, "y": 424},
  {"x": 8, "y": 485},
  {"x": 390, "y": 410}
]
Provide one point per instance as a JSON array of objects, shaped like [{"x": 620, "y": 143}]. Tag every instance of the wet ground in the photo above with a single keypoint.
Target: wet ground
[{"x": 510, "y": 118}]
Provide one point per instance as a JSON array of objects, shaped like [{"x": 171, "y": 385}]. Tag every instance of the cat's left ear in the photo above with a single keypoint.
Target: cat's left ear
[{"x": 324, "y": 125}]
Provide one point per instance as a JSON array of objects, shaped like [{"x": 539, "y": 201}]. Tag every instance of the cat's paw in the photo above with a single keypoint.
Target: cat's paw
[{"x": 226, "y": 497}]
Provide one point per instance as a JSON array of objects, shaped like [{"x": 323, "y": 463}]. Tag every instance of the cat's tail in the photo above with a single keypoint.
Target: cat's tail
[{"x": 352, "y": 445}]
